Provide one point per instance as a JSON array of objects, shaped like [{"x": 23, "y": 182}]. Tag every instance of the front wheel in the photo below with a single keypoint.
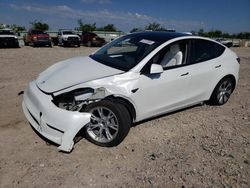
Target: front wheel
[
  {"x": 222, "y": 91},
  {"x": 109, "y": 123}
]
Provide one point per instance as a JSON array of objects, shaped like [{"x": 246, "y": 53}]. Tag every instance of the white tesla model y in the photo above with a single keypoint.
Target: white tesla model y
[{"x": 135, "y": 77}]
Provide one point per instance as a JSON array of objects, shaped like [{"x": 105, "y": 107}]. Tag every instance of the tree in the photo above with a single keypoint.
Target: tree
[
  {"x": 17, "y": 28},
  {"x": 201, "y": 32},
  {"x": 135, "y": 29},
  {"x": 1, "y": 26},
  {"x": 109, "y": 27},
  {"x": 86, "y": 27},
  {"x": 39, "y": 25},
  {"x": 154, "y": 27}
]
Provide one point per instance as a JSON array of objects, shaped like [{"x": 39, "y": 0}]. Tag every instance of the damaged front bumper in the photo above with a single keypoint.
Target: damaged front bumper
[{"x": 56, "y": 124}]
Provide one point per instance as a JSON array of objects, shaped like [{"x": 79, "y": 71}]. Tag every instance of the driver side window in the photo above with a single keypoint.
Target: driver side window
[{"x": 172, "y": 55}]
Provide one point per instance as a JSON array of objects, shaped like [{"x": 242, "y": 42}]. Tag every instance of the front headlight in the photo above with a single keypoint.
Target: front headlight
[
  {"x": 77, "y": 99},
  {"x": 73, "y": 100},
  {"x": 34, "y": 38},
  {"x": 65, "y": 38}
]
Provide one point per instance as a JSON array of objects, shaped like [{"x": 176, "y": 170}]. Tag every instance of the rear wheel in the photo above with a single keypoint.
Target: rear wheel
[
  {"x": 109, "y": 125},
  {"x": 222, "y": 91}
]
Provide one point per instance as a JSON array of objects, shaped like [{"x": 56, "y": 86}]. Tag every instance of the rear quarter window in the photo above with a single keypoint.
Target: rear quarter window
[{"x": 204, "y": 50}]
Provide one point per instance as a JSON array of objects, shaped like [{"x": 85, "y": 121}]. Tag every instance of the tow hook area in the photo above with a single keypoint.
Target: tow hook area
[{"x": 20, "y": 93}]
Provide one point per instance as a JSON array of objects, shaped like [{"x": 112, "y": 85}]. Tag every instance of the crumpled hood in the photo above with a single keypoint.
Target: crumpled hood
[{"x": 72, "y": 72}]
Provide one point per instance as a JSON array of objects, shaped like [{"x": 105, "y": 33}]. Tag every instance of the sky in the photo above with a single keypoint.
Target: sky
[{"x": 230, "y": 16}]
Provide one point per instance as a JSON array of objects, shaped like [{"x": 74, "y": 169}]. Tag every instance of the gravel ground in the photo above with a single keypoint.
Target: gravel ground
[{"x": 203, "y": 146}]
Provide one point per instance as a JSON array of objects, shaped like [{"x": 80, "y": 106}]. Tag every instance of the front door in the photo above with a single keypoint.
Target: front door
[{"x": 166, "y": 91}]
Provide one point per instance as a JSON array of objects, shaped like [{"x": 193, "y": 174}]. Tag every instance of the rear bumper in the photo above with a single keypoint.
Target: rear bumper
[{"x": 58, "y": 125}]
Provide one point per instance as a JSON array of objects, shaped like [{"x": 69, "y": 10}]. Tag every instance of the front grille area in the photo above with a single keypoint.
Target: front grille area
[
  {"x": 6, "y": 41},
  {"x": 43, "y": 39},
  {"x": 73, "y": 39}
]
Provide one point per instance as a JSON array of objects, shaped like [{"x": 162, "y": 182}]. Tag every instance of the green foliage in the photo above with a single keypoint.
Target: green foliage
[
  {"x": 135, "y": 29},
  {"x": 92, "y": 27},
  {"x": 1, "y": 26},
  {"x": 220, "y": 34},
  {"x": 39, "y": 25},
  {"x": 154, "y": 27},
  {"x": 109, "y": 27},
  {"x": 86, "y": 27},
  {"x": 17, "y": 28}
]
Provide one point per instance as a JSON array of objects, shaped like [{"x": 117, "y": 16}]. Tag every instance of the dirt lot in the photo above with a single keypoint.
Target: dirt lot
[{"x": 203, "y": 146}]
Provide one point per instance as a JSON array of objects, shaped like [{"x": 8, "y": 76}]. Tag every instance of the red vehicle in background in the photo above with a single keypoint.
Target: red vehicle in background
[
  {"x": 36, "y": 37},
  {"x": 92, "y": 39}
]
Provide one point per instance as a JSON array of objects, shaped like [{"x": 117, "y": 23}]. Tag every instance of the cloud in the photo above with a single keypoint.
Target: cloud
[
  {"x": 96, "y": 1},
  {"x": 122, "y": 20}
]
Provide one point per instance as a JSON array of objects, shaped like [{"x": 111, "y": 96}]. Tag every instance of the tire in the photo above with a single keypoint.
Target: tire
[
  {"x": 109, "y": 125},
  {"x": 63, "y": 43},
  {"x": 89, "y": 44},
  {"x": 222, "y": 91}
]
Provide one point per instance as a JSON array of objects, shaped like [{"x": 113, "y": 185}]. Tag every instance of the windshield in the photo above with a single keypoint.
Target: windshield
[
  {"x": 68, "y": 33},
  {"x": 6, "y": 32},
  {"x": 126, "y": 52}
]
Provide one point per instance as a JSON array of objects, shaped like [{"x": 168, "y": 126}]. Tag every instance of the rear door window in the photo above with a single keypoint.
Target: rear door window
[{"x": 204, "y": 50}]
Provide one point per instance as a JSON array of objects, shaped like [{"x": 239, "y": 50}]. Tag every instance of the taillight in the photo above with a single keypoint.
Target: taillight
[{"x": 238, "y": 59}]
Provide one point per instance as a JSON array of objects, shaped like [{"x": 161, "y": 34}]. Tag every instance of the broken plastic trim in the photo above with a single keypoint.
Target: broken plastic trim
[{"x": 77, "y": 99}]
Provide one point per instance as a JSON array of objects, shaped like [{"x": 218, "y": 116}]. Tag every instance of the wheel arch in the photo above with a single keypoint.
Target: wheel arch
[
  {"x": 128, "y": 104},
  {"x": 227, "y": 76}
]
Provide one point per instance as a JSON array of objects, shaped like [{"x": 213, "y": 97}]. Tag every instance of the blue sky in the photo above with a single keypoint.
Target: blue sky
[{"x": 227, "y": 15}]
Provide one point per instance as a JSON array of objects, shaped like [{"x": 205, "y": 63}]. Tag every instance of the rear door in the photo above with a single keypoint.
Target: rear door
[{"x": 204, "y": 67}]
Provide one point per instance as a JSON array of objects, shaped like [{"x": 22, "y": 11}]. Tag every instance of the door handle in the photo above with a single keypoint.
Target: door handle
[
  {"x": 185, "y": 74},
  {"x": 218, "y": 66}
]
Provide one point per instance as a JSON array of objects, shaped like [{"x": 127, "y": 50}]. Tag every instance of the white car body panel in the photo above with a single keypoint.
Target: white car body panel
[
  {"x": 51, "y": 79},
  {"x": 154, "y": 95},
  {"x": 154, "y": 87},
  {"x": 43, "y": 115}
]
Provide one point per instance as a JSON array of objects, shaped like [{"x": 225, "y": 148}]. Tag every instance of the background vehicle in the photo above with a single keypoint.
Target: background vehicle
[
  {"x": 225, "y": 42},
  {"x": 91, "y": 39},
  {"x": 36, "y": 37},
  {"x": 133, "y": 78},
  {"x": 8, "y": 38},
  {"x": 68, "y": 38}
]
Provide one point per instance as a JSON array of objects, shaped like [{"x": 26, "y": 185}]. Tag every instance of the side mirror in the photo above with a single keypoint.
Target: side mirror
[{"x": 156, "y": 69}]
